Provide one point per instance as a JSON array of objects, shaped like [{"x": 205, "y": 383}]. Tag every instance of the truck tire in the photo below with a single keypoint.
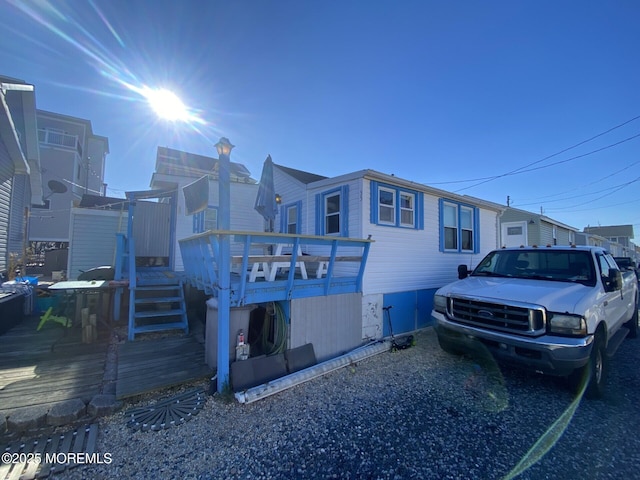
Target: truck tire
[
  {"x": 594, "y": 372},
  {"x": 632, "y": 324}
]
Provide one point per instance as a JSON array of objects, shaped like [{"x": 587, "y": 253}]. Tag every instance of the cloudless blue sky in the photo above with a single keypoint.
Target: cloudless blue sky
[{"x": 447, "y": 93}]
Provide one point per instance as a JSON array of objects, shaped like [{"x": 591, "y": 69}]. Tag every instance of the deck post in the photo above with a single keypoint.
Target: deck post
[{"x": 224, "y": 267}]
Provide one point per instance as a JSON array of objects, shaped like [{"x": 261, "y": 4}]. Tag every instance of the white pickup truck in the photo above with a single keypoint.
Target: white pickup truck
[{"x": 557, "y": 310}]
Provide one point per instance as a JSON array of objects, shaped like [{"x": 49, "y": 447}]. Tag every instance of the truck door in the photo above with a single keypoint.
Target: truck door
[{"x": 613, "y": 303}]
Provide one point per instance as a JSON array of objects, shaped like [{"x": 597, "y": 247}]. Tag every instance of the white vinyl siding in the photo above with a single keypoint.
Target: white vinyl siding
[{"x": 93, "y": 238}]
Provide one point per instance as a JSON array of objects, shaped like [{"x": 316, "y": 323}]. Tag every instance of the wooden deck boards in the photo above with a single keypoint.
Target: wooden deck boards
[
  {"x": 52, "y": 365},
  {"x": 147, "y": 365},
  {"x": 49, "y": 366}
]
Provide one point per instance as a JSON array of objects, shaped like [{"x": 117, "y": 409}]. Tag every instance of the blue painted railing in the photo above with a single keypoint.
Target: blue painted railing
[{"x": 343, "y": 261}]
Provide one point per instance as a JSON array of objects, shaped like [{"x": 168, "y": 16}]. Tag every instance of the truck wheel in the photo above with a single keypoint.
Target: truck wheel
[
  {"x": 594, "y": 372},
  {"x": 632, "y": 324}
]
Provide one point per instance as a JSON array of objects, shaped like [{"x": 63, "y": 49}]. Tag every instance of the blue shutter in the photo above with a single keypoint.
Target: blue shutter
[
  {"x": 319, "y": 215},
  {"x": 476, "y": 230},
  {"x": 374, "y": 202},
  {"x": 344, "y": 211},
  {"x": 420, "y": 211},
  {"x": 299, "y": 219},
  {"x": 441, "y": 224}
]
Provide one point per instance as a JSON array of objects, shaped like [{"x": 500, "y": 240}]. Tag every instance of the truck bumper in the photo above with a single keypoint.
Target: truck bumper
[{"x": 549, "y": 354}]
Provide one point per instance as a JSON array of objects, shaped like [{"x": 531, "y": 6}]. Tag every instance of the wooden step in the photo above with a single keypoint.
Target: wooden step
[
  {"x": 146, "y": 300},
  {"x": 159, "y": 313},
  {"x": 154, "y": 288}
]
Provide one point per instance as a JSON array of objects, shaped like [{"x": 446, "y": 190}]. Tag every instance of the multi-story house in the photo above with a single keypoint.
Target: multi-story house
[
  {"x": 20, "y": 181},
  {"x": 72, "y": 162}
]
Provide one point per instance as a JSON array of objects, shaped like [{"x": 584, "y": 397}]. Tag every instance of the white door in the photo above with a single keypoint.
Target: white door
[{"x": 514, "y": 234}]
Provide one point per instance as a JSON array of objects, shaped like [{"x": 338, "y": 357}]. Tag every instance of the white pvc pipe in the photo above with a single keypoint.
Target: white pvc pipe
[{"x": 261, "y": 391}]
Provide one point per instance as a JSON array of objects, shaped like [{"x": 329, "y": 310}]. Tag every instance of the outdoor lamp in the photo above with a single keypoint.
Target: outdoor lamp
[
  {"x": 224, "y": 146},
  {"x": 278, "y": 199}
]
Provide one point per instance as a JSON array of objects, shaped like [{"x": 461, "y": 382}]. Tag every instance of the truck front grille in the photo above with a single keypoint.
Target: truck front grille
[{"x": 520, "y": 319}]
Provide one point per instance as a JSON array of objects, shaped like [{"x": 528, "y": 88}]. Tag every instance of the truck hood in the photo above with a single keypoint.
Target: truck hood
[{"x": 555, "y": 296}]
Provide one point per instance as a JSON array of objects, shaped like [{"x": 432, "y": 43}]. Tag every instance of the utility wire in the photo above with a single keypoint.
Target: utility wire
[
  {"x": 519, "y": 171},
  {"x": 545, "y": 158}
]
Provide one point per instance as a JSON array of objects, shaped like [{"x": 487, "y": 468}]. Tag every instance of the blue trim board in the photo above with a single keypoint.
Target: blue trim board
[
  {"x": 344, "y": 210},
  {"x": 411, "y": 310}
]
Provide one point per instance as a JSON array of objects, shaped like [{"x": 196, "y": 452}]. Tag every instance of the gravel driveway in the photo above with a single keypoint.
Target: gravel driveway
[{"x": 417, "y": 413}]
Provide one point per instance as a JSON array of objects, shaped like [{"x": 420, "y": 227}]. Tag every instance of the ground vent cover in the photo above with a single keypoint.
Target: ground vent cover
[
  {"x": 46, "y": 455},
  {"x": 167, "y": 413}
]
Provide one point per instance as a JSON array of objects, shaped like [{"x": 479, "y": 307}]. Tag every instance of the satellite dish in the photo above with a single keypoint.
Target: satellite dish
[{"x": 57, "y": 187}]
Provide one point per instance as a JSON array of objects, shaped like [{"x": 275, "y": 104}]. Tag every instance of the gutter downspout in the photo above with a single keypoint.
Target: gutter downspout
[{"x": 261, "y": 391}]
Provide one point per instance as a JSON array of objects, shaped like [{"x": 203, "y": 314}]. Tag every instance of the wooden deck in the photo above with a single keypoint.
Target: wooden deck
[
  {"x": 49, "y": 366},
  {"x": 147, "y": 365},
  {"x": 42, "y": 368}
]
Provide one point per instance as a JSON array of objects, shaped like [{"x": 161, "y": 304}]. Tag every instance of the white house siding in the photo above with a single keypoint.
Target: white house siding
[
  {"x": 6, "y": 183},
  {"x": 93, "y": 238},
  {"x": 20, "y": 199},
  {"x": 244, "y": 217}
]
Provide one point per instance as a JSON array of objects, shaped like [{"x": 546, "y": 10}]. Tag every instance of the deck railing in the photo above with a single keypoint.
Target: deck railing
[{"x": 275, "y": 266}]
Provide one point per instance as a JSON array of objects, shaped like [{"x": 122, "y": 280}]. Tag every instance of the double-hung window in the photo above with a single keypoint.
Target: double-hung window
[
  {"x": 290, "y": 218},
  {"x": 395, "y": 206},
  {"x": 205, "y": 220},
  {"x": 459, "y": 231},
  {"x": 332, "y": 212}
]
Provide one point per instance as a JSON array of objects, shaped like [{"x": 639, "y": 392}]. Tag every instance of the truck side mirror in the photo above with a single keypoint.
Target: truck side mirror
[
  {"x": 614, "y": 281},
  {"x": 463, "y": 272}
]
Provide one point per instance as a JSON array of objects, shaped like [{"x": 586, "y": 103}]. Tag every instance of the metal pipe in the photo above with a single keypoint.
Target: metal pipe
[{"x": 261, "y": 391}]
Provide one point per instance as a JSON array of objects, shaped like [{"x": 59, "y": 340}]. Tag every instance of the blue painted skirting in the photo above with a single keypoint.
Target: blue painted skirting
[{"x": 411, "y": 310}]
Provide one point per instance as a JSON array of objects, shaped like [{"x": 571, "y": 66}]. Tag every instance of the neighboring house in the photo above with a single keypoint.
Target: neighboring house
[
  {"x": 421, "y": 234},
  {"x": 616, "y": 234},
  {"x": 159, "y": 225},
  {"x": 520, "y": 227},
  {"x": 20, "y": 180},
  {"x": 72, "y": 161},
  {"x": 592, "y": 240}
]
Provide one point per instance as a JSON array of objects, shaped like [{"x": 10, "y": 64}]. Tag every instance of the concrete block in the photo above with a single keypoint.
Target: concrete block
[
  {"x": 66, "y": 412},
  {"x": 27, "y": 418},
  {"x": 102, "y": 405}
]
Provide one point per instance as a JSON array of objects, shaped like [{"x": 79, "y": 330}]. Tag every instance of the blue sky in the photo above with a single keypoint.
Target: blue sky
[{"x": 460, "y": 95}]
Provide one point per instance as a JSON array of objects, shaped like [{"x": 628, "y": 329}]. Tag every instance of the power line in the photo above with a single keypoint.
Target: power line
[{"x": 521, "y": 169}]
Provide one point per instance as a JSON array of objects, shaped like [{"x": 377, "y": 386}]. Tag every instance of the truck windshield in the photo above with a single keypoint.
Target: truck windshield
[{"x": 555, "y": 265}]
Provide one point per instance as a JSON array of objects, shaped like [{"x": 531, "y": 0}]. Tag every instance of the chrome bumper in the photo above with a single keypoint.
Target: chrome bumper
[{"x": 548, "y": 354}]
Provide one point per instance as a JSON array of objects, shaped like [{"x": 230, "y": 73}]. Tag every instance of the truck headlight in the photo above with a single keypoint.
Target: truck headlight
[
  {"x": 565, "y": 324},
  {"x": 440, "y": 303}
]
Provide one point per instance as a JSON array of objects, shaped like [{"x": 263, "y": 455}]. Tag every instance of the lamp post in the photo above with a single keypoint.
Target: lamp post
[{"x": 224, "y": 269}]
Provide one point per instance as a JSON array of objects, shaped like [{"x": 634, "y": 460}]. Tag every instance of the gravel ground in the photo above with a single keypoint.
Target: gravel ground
[{"x": 417, "y": 413}]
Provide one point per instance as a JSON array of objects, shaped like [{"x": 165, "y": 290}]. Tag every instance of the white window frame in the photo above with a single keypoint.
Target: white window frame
[{"x": 385, "y": 206}]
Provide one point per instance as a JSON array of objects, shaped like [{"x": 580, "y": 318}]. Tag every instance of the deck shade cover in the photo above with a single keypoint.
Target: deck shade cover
[{"x": 266, "y": 198}]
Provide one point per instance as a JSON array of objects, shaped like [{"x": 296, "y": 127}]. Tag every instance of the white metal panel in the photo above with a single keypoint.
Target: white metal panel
[
  {"x": 243, "y": 215},
  {"x": 20, "y": 199},
  {"x": 6, "y": 182},
  {"x": 151, "y": 229},
  {"x": 93, "y": 238},
  {"x": 333, "y": 324}
]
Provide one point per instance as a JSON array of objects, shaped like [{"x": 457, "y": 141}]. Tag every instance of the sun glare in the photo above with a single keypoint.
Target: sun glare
[{"x": 167, "y": 105}]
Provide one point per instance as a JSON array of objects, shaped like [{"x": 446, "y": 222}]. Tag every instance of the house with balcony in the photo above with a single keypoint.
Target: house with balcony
[
  {"x": 520, "y": 227},
  {"x": 20, "y": 185},
  {"x": 20, "y": 179},
  {"x": 73, "y": 161}
]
